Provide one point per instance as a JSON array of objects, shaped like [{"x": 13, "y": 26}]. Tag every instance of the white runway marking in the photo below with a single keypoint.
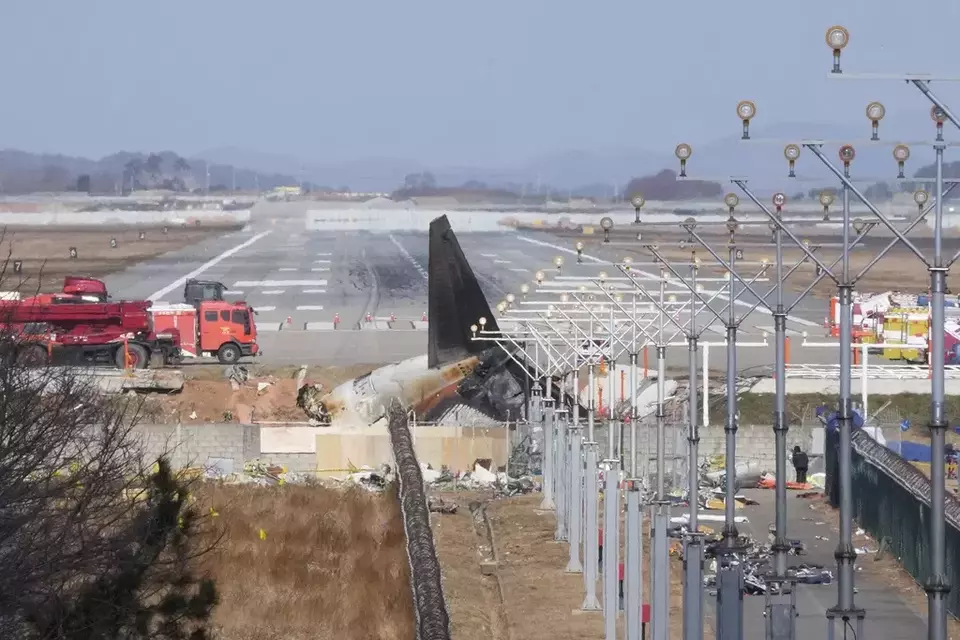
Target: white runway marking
[
  {"x": 325, "y": 254},
  {"x": 280, "y": 283},
  {"x": 314, "y": 291},
  {"x": 742, "y": 303},
  {"x": 273, "y": 292},
  {"x": 501, "y": 262},
  {"x": 320, "y": 269},
  {"x": 287, "y": 269},
  {"x": 489, "y": 255},
  {"x": 265, "y": 308},
  {"x": 406, "y": 254},
  {"x": 321, "y": 262},
  {"x": 520, "y": 270},
  {"x": 233, "y": 293},
  {"x": 206, "y": 265},
  {"x": 310, "y": 307}
]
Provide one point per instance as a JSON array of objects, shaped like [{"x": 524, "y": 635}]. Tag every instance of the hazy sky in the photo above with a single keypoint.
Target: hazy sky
[{"x": 488, "y": 82}]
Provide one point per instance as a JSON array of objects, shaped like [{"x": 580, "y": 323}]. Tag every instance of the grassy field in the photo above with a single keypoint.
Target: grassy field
[
  {"x": 45, "y": 254},
  {"x": 330, "y": 564}
]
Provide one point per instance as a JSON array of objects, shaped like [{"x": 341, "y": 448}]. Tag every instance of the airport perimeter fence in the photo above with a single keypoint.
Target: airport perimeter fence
[
  {"x": 432, "y": 619},
  {"x": 891, "y": 502}
]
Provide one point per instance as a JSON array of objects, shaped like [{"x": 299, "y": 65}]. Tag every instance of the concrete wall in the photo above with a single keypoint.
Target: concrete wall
[
  {"x": 120, "y": 218},
  {"x": 330, "y": 451}
]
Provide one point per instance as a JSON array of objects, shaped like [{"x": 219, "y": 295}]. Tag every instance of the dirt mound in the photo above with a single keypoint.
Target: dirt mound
[{"x": 264, "y": 397}]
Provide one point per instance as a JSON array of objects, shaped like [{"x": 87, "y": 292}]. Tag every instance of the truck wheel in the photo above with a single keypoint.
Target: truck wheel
[
  {"x": 139, "y": 358},
  {"x": 228, "y": 353},
  {"x": 32, "y": 355}
]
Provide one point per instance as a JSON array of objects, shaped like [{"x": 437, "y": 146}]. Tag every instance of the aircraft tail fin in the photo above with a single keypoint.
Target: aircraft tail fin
[{"x": 455, "y": 299}]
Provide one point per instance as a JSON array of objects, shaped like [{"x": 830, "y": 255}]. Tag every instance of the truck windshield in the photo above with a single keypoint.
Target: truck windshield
[{"x": 242, "y": 317}]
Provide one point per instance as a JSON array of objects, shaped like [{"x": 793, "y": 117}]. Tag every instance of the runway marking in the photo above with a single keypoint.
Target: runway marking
[
  {"x": 324, "y": 254},
  {"x": 647, "y": 274},
  {"x": 287, "y": 269},
  {"x": 501, "y": 262},
  {"x": 320, "y": 269},
  {"x": 233, "y": 293},
  {"x": 314, "y": 291},
  {"x": 280, "y": 283},
  {"x": 489, "y": 255},
  {"x": 273, "y": 292},
  {"x": 310, "y": 307},
  {"x": 321, "y": 261},
  {"x": 520, "y": 270},
  {"x": 265, "y": 308},
  {"x": 206, "y": 265},
  {"x": 406, "y": 254},
  {"x": 772, "y": 331}
]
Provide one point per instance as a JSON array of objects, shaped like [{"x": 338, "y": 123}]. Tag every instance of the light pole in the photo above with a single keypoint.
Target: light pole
[{"x": 637, "y": 201}]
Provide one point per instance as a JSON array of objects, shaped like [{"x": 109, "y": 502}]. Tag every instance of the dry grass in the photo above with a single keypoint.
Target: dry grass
[
  {"x": 333, "y": 564},
  {"x": 45, "y": 254}
]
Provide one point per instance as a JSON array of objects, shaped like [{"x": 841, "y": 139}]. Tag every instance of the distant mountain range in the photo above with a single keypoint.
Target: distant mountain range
[
  {"x": 596, "y": 173},
  {"x": 603, "y": 173}
]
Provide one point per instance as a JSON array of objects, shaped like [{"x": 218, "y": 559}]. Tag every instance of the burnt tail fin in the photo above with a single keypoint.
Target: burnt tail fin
[{"x": 455, "y": 299}]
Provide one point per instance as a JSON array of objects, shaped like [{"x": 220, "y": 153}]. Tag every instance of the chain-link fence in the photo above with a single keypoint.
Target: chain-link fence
[{"x": 891, "y": 501}]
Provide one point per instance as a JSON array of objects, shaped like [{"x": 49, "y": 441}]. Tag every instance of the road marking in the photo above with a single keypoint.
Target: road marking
[
  {"x": 287, "y": 269},
  {"x": 321, "y": 262},
  {"x": 265, "y": 308},
  {"x": 314, "y": 291},
  {"x": 206, "y": 265},
  {"x": 233, "y": 293},
  {"x": 406, "y": 254},
  {"x": 273, "y": 292},
  {"x": 489, "y": 255},
  {"x": 501, "y": 262},
  {"x": 325, "y": 254},
  {"x": 519, "y": 270},
  {"x": 647, "y": 274},
  {"x": 320, "y": 269},
  {"x": 310, "y": 307},
  {"x": 280, "y": 283}
]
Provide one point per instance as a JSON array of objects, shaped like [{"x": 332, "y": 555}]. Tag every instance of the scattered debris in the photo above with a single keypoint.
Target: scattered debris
[{"x": 437, "y": 504}]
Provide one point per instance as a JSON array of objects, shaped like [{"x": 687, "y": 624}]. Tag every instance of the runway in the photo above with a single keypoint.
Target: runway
[{"x": 374, "y": 285}]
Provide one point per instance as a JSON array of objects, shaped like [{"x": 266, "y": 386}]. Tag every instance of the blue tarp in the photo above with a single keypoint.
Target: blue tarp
[{"x": 911, "y": 451}]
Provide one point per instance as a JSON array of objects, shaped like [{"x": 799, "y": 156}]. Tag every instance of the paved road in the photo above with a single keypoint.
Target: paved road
[
  {"x": 888, "y": 616},
  {"x": 300, "y": 281}
]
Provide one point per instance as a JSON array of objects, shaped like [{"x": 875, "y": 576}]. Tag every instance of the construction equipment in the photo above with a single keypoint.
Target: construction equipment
[{"x": 119, "y": 334}]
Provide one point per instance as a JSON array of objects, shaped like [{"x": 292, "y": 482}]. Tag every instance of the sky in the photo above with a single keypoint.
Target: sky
[{"x": 447, "y": 82}]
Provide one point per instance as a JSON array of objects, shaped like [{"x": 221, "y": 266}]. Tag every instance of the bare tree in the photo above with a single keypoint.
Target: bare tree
[{"x": 95, "y": 540}]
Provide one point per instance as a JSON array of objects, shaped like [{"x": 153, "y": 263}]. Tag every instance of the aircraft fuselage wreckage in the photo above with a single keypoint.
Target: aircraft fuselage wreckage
[{"x": 458, "y": 382}]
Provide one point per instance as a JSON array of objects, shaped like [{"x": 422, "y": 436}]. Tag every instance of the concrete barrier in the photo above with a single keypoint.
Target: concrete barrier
[{"x": 124, "y": 218}]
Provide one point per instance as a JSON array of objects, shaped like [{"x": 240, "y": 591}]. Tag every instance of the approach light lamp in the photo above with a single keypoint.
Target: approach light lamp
[
  {"x": 837, "y": 38},
  {"x": 672, "y": 299},
  {"x": 683, "y": 153},
  {"x": 627, "y": 263},
  {"x": 606, "y": 223},
  {"x": 524, "y": 289},
  {"x": 920, "y": 197},
  {"x": 791, "y": 152},
  {"x": 582, "y": 288},
  {"x": 847, "y": 153},
  {"x": 558, "y": 261},
  {"x": 473, "y": 330},
  {"x": 826, "y": 199},
  {"x": 901, "y": 153},
  {"x": 746, "y": 110},
  {"x": 859, "y": 225},
  {"x": 875, "y": 113},
  {"x": 539, "y": 276},
  {"x": 501, "y": 306},
  {"x": 602, "y": 276},
  {"x": 564, "y": 297},
  {"x": 618, "y": 297},
  {"x": 579, "y": 253},
  {"x": 511, "y": 298},
  {"x": 482, "y": 321},
  {"x": 731, "y": 200},
  {"x": 637, "y": 201},
  {"x": 939, "y": 116},
  {"x": 683, "y": 245},
  {"x": 779, "y": 199}
]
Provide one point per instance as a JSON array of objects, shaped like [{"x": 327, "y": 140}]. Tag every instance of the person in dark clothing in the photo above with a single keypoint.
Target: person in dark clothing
[{"x": 800, "y": 463}]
